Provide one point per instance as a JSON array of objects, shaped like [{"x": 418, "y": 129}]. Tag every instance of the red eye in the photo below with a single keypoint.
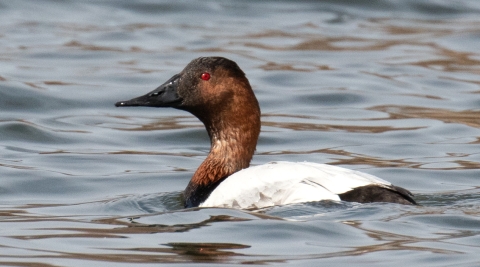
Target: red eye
[{"x": 205, "y": 76}]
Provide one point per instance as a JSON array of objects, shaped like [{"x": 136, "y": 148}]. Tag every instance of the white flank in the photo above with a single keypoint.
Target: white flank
[{"x": 280, "y": 183}]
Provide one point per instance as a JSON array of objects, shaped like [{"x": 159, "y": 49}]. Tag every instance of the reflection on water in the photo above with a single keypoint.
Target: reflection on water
[
  {"x": 121, "y": 238},
  {"x": 389, "y": 87},
  {"x": 470, "y": 118},
  {"x": 324, "y": 127}
]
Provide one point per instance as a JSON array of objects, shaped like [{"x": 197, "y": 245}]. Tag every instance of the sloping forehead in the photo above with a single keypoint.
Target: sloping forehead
[{"x": 212, "y": 64}]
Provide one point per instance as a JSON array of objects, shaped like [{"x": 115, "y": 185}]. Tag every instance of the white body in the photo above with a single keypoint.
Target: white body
[{"x": 280, "y": 183}]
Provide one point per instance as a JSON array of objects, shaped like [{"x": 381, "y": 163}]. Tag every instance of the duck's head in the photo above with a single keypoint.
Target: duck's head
[{"x": 207, "y": 87}]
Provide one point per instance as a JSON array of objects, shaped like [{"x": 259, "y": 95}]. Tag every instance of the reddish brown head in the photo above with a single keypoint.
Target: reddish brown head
[{"x": 216, "y": 91}]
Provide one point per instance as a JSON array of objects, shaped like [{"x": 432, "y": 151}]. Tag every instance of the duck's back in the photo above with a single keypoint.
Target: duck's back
[{"x": 280, "y": 183}]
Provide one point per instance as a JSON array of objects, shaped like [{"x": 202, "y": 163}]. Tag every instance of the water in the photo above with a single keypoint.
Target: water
[{"x": 390, "y": 88}]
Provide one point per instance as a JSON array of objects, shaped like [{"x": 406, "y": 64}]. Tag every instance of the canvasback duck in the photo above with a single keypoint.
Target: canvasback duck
[{"x": 216, "y": 91}]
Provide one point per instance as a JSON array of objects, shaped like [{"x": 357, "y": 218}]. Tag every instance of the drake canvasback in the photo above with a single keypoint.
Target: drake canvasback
[{"x": 216, "y": 91}]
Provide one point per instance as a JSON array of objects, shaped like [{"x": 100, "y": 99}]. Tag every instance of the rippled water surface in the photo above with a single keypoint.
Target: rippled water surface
[{"x": 391, "y": 88}]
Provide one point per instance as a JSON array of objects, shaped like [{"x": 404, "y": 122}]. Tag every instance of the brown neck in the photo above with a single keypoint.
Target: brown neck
[{"x": 233, "y": 129}]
